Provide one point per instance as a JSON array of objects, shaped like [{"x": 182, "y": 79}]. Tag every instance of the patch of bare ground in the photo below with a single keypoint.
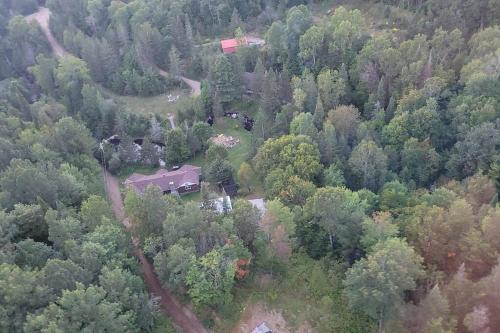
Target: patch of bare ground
[{"x": 257, "y": 313}]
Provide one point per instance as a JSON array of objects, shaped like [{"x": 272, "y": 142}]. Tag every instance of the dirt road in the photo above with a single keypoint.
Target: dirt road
[
  {"x": 195, "y": 85},
  {"x": 43, "y": 17},
  {"x": 182, "y": 317}
]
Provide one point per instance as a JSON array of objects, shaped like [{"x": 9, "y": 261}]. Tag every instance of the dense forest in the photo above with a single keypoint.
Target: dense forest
[{"x": 374, "y": 140}]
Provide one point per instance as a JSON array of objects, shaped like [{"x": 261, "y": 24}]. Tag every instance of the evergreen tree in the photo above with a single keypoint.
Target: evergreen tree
[
  {"x": 327, "y": 145},
  {"x": 189, "y": 33},
  {"x": 270, "y": 95},
  {"x": 149, "y": 153},
  {"x": 127, "y": 150},
  {"x": 91, "y": 109},
  {"x": 319, "y": 114},
  {"x": 174, "y": 61},
  {"x": 260, "y": 76},
  {"x": 226, "y": 88},
  {"x": 235, "y": 20},
  {"x": 176, "y": 147}
]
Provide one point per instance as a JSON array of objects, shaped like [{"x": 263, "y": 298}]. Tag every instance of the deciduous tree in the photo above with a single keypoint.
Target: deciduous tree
[{"x": 376, "y": 284}]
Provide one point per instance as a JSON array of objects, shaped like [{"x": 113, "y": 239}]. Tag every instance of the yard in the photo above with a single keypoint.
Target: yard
[
  {"x": 227, "y": 126},
  {"x": 125, "y": 171},
  {"x": 159, "y": 104},
  {"x": 237, "y": 154}
]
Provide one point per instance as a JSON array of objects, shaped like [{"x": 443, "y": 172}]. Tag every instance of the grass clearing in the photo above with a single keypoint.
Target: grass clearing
[
  {"x": 195, "y": 196},
  {"x": 306, "y": 294},
  {"x": 125, "y": 171},
  {"x": 158, "y": 105},
  {"x": 236, "y": 155}
]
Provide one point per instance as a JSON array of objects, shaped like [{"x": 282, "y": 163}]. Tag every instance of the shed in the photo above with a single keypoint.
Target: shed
[
  {"x": 230, "y": 188},
  {"x": 230, "y": 45}
]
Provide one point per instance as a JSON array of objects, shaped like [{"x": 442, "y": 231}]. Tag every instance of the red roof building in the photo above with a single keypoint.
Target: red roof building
[{"x": 231, "y": 45}]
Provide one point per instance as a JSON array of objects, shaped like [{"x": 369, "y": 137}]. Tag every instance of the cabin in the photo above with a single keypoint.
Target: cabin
[
  {"x": 185, "y": 179},
  {"x": 231, "y": 45}
]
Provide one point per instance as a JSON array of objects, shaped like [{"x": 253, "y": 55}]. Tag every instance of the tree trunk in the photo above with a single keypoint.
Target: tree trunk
[{"x": 380, "y": 326}]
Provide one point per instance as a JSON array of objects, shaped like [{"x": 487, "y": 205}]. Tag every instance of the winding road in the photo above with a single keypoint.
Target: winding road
[
  {"x": 42, "y": 16},
  {"x": 182, "y": 317}
]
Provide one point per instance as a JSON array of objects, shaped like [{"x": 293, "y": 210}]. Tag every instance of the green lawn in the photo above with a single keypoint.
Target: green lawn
[
  {"x": 149, "y": 105},
  {"x": 125, "y": 171},
  {"x": 195, "y": 196},
  {"x": 238, "y": 153}
]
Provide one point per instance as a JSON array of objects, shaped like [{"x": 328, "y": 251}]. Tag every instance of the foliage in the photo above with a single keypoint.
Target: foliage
[
  {"x": 376, "y": 284},
  {"x": 340, "y": 212},
  {"x": 294, "y": 154},
  {"x": 211, "y": 277}
]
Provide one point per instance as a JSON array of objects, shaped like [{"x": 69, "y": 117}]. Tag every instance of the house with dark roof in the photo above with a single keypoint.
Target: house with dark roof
[{"x": 181, "y": 181}]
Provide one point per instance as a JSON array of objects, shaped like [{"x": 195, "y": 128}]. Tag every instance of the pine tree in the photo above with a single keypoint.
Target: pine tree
[
  {"x": 328, "y": 146},
  {"x": 156, "y": 131},
  {"x": 270, "y": 95},
  {"x": 128, "y": 151},
  {"x": 218, "y": 108},
  {"x": 263, "y": 125},
  {"x": 344, "y": 76},
  {"x": 90, "y": 111},
  {"x": 189, "y": 33},
  {"x": 285, "y": 86},
  {"x": 149, "y": 152},
  {"x": 391, "y": 108},
  {"x": 382, "y": 92},
  {"x": 235, "y": 20},
  {"x": 176, "y": 147},
  {"x": 260, "y": 75},
  {"x": 174, "y": 60},
  {"x": 319, "y": 114},
  {"x": 225, "y": 80},
  {"x": 109, "y": 58}
]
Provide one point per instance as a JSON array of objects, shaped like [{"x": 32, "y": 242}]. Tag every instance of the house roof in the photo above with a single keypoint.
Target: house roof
[
  {"x": 186, "y": 175},
  {"x": 230, "y": 43}
]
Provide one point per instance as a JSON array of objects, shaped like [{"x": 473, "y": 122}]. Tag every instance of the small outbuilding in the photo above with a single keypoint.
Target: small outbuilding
[
  {"x": 229, "y": 188},
  {"x": 231, "y": 45},
  {"x": 220, "y": 205}
]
